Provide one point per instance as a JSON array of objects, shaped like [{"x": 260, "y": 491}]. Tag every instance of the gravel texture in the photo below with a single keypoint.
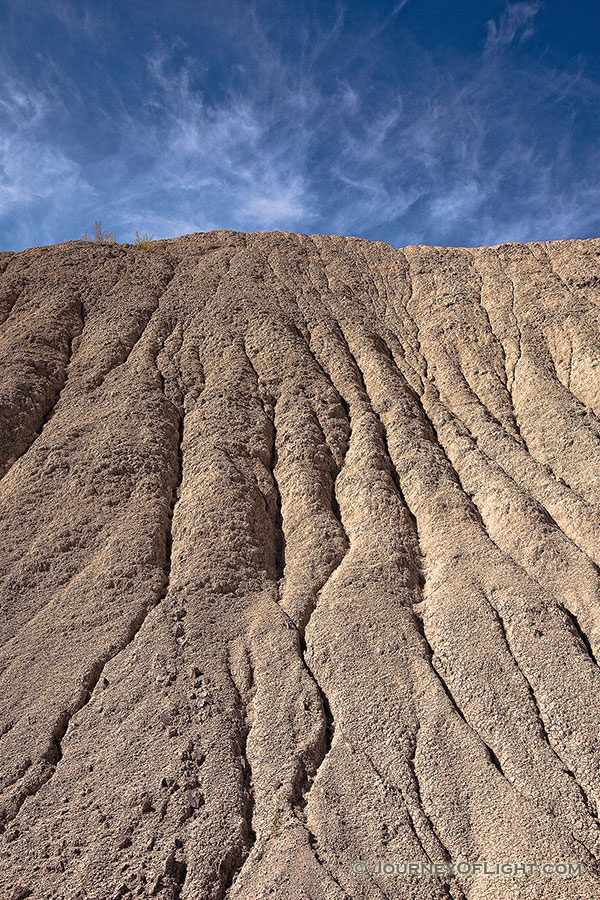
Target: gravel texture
[{"x": 299, "y": 546}]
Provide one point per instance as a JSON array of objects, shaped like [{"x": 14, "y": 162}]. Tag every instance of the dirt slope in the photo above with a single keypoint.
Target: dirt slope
[{"x": 299, "y": 569}]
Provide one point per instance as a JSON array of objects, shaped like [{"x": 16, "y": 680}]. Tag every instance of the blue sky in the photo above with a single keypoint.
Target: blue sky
[{"x": 452, "y": 122}]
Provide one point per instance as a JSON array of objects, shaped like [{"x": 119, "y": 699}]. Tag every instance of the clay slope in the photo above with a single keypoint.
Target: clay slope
[{"x": 299, "y": 569}]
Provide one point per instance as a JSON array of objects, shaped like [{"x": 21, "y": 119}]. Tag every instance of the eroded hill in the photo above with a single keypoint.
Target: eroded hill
[{"x": 299, "y": 568}]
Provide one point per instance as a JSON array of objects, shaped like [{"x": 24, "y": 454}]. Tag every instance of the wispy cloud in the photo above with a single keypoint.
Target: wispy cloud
[
  {"x": 332, "y": 128},
  {"x": 516, "y": 21},
  {"x": 76, "y": 18},
  {"x": 38, "y": 180},
  {"x": 241, "y": 160},
  {"x": 469, "y": 159}
]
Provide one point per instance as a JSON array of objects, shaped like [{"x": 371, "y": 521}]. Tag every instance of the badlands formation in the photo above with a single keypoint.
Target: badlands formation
[{"x": 299, "y": 579}]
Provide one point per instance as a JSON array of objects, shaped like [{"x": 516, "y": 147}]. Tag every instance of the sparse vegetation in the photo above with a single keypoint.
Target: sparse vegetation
[
  {"x": 101, "y": 236},
  {"x": 143, "y": 241}
]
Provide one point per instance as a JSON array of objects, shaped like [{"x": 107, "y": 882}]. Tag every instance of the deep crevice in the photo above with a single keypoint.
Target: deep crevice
[
  {"x": 277, "y": 514},
  {"x": 329, "y": 721},
  {"x": 385, "y": 782},
  {"x": 175, "y": 494},
  {"x": 418, "y": 562},
  {"x": 56, "y": 394},
  {"x": 417, "y": 785},
  {"x": 11, "y": 298},
  {"x": 123, "y": 357},
  {"x": 239, "y": 855},
  {"x": 269, "y": 405},
  {"x": 279, "y": 534},
  {"x": 314, "y": 846},
  {"x": 490, "y": 753},
  {"x": 420, "y": 575},
  {"x": 542, "y": 725},
  {"x": 578, "y": 630},
  {"x": 54, "y": 753},
  {"x": 328, "y": 732}
]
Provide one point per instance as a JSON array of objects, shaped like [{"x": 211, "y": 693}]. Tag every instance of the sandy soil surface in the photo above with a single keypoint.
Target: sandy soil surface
[{"x": 299, "y": 546}]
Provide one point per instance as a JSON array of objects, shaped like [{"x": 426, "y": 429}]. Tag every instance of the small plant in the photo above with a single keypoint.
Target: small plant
[
  {"x": 84, "y": 236},
  {"x": 143, "y": 241},
  {"x": 101, "y": 236}
]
